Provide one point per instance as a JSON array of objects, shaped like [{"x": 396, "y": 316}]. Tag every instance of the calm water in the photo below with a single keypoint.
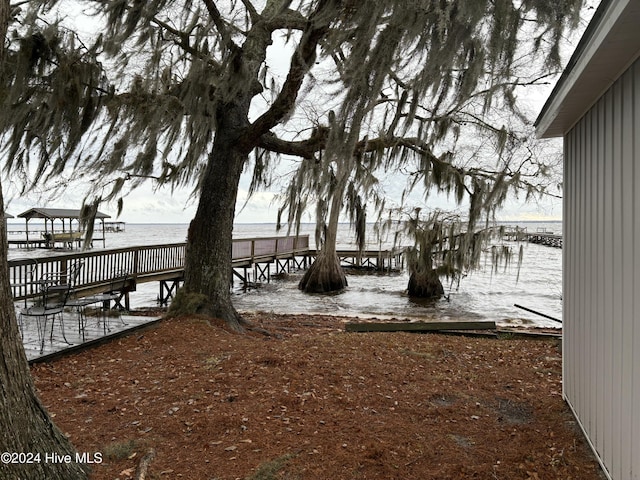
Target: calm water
[{"x": 481, "y": 295}]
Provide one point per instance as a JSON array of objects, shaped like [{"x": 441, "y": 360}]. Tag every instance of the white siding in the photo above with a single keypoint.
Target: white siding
[{"x": 602, "y": 275}]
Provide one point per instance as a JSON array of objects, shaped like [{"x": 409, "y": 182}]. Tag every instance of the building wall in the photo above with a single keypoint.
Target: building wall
[{"x": 601, "y": 295}]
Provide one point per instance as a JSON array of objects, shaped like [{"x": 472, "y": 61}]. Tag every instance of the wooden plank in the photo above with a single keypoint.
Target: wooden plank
[{"x": 418, "y": 326}]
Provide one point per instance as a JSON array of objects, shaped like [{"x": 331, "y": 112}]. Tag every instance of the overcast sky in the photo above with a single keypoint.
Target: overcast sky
[{"x": 147, "y": 205}]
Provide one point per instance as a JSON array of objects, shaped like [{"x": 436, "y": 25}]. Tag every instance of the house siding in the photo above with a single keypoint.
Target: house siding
[{"x": 601, "y": 295}]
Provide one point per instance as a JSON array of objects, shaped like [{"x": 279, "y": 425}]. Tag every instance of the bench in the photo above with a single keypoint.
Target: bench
[{"x": 66, "y": 238}]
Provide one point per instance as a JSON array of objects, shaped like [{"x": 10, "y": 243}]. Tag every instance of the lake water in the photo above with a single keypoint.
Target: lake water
[{"x": 481, "y": 295}]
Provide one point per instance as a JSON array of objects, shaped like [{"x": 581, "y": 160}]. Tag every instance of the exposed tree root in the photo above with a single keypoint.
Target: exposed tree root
[{"x": 189, "y": 303}]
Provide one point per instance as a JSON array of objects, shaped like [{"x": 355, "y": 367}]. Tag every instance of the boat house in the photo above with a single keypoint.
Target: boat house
[
  {"x": 61, "y": 226},
  {"x": 595, "y": 107}
]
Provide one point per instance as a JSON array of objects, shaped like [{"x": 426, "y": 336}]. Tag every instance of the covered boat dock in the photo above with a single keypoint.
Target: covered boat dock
[{"x": 59, "y": 228}]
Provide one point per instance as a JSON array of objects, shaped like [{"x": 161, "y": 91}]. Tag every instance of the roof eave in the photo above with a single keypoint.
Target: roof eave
[
  {"x": 56, "y": 213},
  {"x": 608, "y": 47}
]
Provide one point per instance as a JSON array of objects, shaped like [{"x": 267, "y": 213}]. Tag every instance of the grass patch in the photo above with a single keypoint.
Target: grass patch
[
  {"x": 269, "y": 470},
  {"x": 120, "y": 450}
]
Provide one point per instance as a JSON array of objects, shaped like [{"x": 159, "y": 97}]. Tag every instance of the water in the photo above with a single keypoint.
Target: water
[{"x": 481, "y": 295}]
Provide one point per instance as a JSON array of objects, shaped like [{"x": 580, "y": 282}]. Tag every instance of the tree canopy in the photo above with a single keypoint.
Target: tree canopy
[
  {"x": 160, "y": 69},
  {"x": 187, "y": 92}
]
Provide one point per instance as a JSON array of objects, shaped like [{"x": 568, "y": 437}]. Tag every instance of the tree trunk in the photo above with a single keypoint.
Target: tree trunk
[
  {"x": 208, "y": 265},
  {"x": 425, "y": 284},
  {"x": 325, "y": 275},
  {"x": 26, "y": 426}
]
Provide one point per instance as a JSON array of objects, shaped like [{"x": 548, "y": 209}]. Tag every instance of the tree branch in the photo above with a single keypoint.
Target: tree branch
[
  {"x": 303, "y": 148},
  {"x": 301, "y": 62},
  {"x": 185, "y": 44},
  {"x": 288, "y": 20},
  {"x": 253, "y": 13},
  {"x": 218, "y": 21}
]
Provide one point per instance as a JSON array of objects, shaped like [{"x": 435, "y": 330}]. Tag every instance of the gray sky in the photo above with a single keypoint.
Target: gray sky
[{"x": 145, "y": 205}]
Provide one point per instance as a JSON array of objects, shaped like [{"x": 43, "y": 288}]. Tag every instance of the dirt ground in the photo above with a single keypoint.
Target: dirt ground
[{"x": 310, "y": 401}]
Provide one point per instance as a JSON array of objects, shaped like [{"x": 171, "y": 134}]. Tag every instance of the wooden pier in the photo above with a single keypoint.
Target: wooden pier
[
  {"x": 378, "y": 260},
  {"x": 254, "y": 260},
  {"x": 541, "y": 237},
  {"x": 547, "y": 239},
  {"x": 58, "y": 226},
  {"x": 155, "y": 263}
]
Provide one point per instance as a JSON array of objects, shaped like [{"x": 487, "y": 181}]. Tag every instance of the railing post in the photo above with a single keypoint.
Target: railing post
[
  {"x": 62, "y": 270},
  {"x": 136, "y": 256}
]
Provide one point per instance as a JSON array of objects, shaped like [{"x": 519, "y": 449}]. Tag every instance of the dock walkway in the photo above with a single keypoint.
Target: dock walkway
[
  {"x": 253, "y": 260},
  {"x": 541, "y": 237},
  {"x": 154, "y": 263}
]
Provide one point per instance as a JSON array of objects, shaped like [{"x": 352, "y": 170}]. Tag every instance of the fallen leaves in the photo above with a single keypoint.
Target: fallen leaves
[{"x": 335, "y": 405}]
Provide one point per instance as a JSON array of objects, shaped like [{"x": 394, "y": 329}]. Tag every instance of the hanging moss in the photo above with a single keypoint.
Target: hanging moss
[{"x": 182, "y": 113}]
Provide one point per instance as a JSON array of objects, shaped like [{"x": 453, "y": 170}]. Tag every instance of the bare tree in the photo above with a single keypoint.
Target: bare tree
[{"x": 193, "y": 95}]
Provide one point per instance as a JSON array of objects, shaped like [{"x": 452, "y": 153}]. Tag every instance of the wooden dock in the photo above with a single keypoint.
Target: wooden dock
[
  {"x": 56, "y": 241},
  {"x": 254, "y": 260},
  {"x": 155, "y": 263},
  {"x": 541, "y": 237},
  {"x": 547, "y": 239},
  {"x": 378, "y": 260}
]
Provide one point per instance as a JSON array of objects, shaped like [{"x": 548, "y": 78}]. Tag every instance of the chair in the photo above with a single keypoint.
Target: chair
[
  {"x": 116, "y": 291},
  {"x": 72, "y": 275},
  {"x": 29, "y": 284},
  {"x": 55, "y": 295}
]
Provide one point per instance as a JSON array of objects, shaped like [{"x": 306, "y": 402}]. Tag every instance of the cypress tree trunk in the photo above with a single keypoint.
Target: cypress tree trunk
[
  {"x": 208, "y": 265},
  {"x": 325, "y": 274},
  {"x": 425, "y": 284}
]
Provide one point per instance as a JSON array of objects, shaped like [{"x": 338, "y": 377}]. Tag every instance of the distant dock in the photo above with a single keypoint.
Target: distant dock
[
  {"x": 547, "y": 239},
  {"x": 114, "y": 227},
  {"x": 540, "y": 237}
]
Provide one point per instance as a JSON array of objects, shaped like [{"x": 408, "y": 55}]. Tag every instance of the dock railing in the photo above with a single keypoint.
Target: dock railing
[{"x": 142, "y": 263}]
